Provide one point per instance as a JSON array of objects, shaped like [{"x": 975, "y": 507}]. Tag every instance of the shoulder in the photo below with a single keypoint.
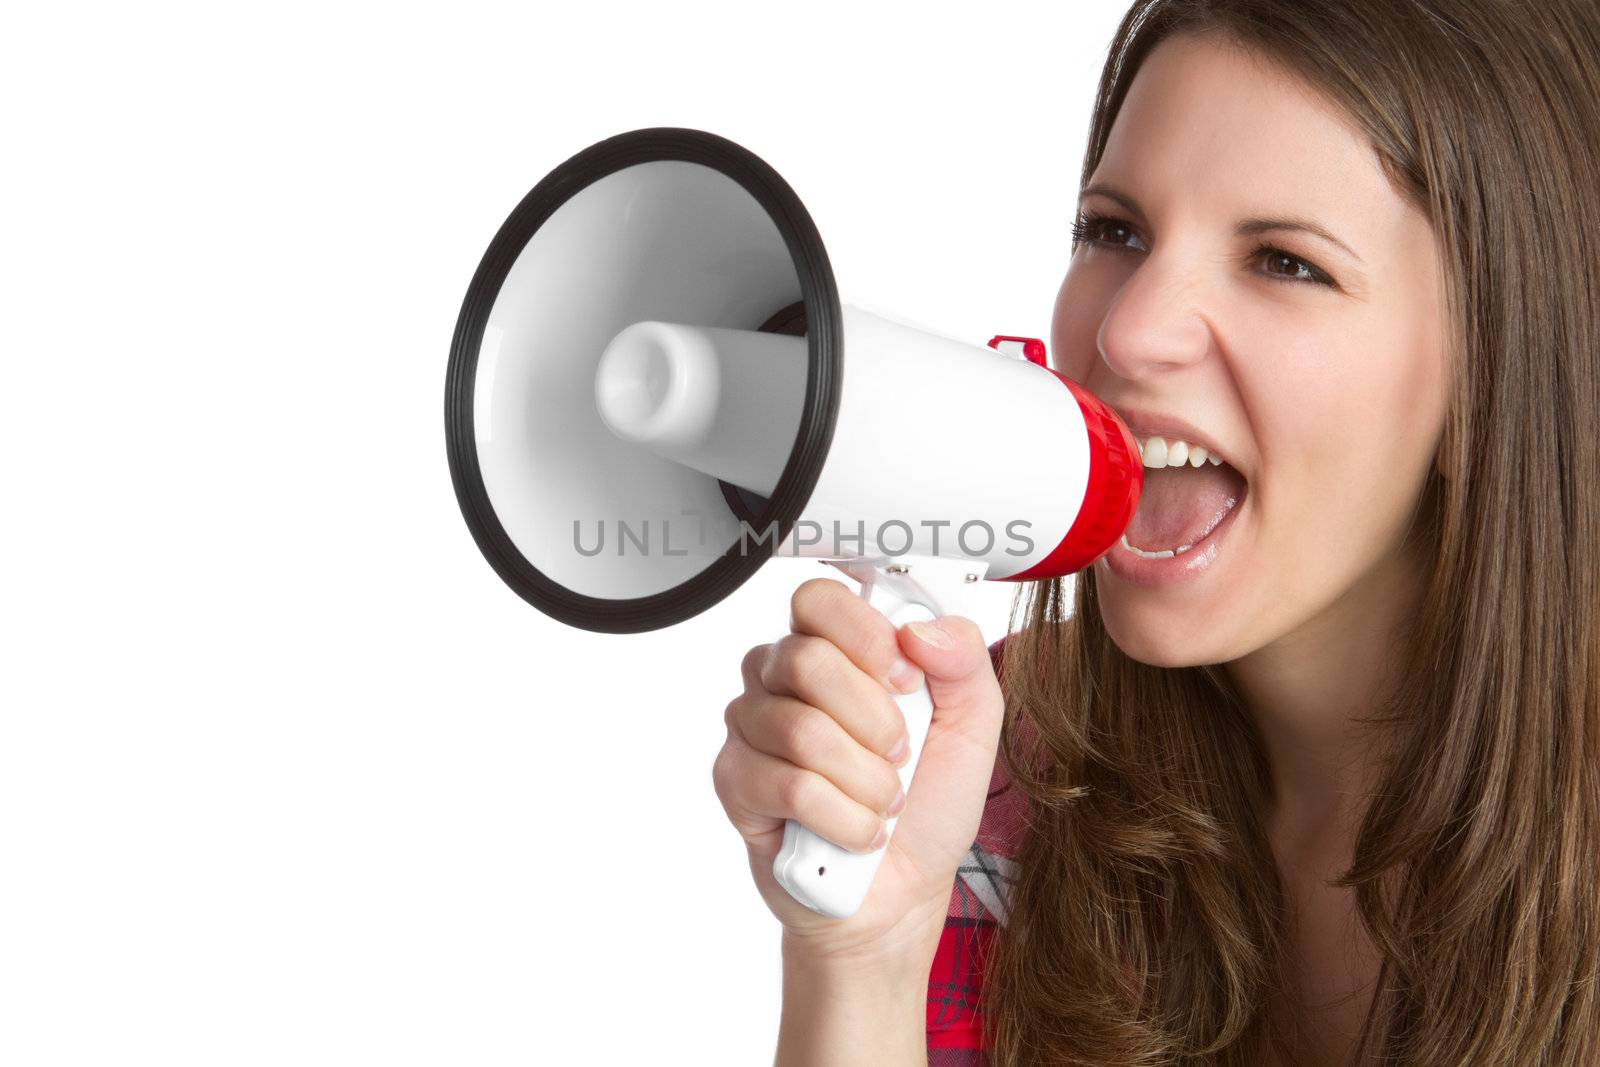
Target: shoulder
[{"x": 978, "y": 906}]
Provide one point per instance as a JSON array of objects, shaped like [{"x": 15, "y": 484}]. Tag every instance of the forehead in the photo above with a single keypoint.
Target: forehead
[{"x": 1209, "y": 124}]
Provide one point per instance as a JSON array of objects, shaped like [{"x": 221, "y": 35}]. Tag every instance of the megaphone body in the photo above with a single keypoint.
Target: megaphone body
[
  {"x": 925, "y": 458},
  {"x": 654, "y": 388}
]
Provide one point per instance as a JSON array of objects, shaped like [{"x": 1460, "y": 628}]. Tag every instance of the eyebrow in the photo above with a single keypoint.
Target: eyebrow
[{"x": 1245, "y": 227}]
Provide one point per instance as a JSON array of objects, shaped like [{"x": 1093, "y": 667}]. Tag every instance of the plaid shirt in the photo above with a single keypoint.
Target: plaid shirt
[{"x": 977, "y": 908}]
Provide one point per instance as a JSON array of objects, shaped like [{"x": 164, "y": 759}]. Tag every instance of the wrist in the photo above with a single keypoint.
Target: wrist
[
  {"x": 904, "y": 953},
  {"x": 846, "y": 971},
  {"x": 856, "y": 1009}
]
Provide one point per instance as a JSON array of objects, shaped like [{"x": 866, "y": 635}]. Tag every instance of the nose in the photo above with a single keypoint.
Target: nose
[{"x": 1155, "y": 323}]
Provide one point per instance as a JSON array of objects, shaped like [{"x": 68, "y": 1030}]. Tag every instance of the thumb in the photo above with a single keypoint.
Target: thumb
[
  {"x": 956, "y": 767},
  {"x": 961, "y": 679}
]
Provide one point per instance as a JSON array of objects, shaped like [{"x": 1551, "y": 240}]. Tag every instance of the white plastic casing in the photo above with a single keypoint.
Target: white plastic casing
[{"x": 923, "y": 461}]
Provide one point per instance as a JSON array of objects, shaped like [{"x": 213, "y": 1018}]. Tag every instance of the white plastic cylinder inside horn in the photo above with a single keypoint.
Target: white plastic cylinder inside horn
[{"x": 716, "y": 400}]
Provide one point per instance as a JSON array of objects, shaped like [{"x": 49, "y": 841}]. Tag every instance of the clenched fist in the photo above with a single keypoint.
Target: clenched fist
[{"x": 815, "y": 736}]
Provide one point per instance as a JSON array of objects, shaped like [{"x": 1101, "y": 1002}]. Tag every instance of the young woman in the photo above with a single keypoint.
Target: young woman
[{"x": 1324, "y": 786}]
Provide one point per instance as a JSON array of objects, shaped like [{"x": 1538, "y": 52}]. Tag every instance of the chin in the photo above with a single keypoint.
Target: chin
[
  {"x": 1152, "y": 654},
  {"x": 1155, "y": 643}
]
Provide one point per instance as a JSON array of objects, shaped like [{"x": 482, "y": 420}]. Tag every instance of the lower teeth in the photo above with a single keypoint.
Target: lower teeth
[{"x": 1166, "y": 553}]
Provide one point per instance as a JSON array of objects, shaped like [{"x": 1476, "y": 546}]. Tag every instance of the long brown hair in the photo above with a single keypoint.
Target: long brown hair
[{"x": 1145, "y": 927}]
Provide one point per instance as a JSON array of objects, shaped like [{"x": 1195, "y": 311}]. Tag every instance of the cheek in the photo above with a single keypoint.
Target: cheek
[
  {"x": 1081, "y": 305},
  {"x": 1348, "y": 422}
]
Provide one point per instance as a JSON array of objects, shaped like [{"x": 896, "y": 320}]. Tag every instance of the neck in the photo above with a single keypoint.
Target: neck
[{"x": 1305, "y": 693}]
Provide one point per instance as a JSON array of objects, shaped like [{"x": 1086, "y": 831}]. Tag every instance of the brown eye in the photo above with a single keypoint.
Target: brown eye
[
  {"x": 1103, "y": 230},
  {"x": 1109, "y": 230},
  {"x": 1290, "y": 265},
  {"x": 1285, "y": 267}
]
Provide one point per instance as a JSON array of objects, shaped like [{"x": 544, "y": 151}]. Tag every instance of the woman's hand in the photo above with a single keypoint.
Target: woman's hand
[{"x": 810, "y": 739}]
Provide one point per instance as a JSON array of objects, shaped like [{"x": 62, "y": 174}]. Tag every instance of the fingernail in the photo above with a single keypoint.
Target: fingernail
[
  {"x": 881, "y": 840},
  {"x": 932, "y": 633},
  {"x": 901, "y": 749},
  {"x": 904, "y": 676},
  {"x": 899, "y": 804}
]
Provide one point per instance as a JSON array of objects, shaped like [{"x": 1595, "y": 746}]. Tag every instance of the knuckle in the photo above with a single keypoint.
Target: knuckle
[
  {"x": 719, "y": 772},
  {"x": 875, "y": 635},
  {"x": 867, "y": 642},
  {"x": 754, "y": 659},
  {"x": 873, "y": 642},
  {"x": 795, "y": 791},
  {"x": 808, "y": 737},
  {"x": 771, "y": 671},
  {"x": 795, "y": 662},
  {"x": 813, "y": 659}
]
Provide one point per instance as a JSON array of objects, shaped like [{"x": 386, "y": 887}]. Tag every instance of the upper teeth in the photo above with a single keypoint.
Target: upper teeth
[{"x": 1161, "y": 452}]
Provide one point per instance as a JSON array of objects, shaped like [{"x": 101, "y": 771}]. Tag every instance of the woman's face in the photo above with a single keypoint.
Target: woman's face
[{"x": 1318, "y": 371}]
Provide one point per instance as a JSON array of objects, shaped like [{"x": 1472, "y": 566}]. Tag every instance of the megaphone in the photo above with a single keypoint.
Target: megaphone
[{"x": 654, "y": 388}]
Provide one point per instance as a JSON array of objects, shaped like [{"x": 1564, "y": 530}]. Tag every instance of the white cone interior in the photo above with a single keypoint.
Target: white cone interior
[{"x": 669, "y": 241}]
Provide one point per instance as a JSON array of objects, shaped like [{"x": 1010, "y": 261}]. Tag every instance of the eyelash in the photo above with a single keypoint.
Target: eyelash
[{"x": 1088, "y": 222}]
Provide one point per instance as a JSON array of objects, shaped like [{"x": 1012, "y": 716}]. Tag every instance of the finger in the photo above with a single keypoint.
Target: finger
[
  {"x": 829, "y": 609},
  {"x": 810, "y": 738},
  {"x": 816, "y": 672},
  {"x": 759, "y": 786},
  {"x": 750, "y": 666}
]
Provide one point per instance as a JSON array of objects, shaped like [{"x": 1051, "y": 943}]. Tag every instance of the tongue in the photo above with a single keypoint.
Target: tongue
[{"x": 1180, "y": 505}]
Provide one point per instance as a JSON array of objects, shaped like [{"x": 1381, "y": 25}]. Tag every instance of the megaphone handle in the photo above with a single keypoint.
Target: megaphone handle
[{"x": 826, "y": 878}]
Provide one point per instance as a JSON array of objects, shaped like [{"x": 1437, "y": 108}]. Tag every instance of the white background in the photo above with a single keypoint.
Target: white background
[{"x": 287, "y": 775}]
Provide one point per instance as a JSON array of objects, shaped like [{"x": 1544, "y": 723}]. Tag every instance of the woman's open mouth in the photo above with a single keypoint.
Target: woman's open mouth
[{"x": 1190, "y": 500}]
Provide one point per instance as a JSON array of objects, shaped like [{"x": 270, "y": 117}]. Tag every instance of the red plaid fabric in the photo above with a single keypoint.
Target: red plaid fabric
[{"x": 978, "y": 903}]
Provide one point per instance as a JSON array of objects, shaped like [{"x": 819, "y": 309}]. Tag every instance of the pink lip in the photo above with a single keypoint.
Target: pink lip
[{"x": 1145, "y": 424}]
